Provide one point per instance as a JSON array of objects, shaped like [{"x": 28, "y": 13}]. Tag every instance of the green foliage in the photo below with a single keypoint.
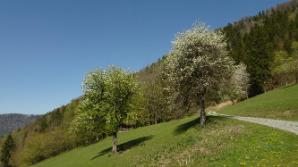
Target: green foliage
[
  {"x": 264, "y": 43},
  {"x": 56, "y": 117},
  {"x": 155, "y": 103},
  {"x": 285, "y": 66},
  {"x": 41, "y": 135},
  {"x": 6, "y": 151},
  {"x": 42, "y": 124},
  {"x": 120, "y": 88},
  {"x": 293, "y": 67},
  {"x": 259, "y": 64},
  {"x": 279, "y": 62},
  {"x": 107, "y": 100},
  {"x": 136, "y": 116},
  {"x": 45, "y": 145},
  {"x": 293, "y": 61}
]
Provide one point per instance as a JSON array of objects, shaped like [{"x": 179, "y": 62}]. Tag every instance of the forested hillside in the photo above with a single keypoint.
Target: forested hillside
[{"x": 266, "y": 43}]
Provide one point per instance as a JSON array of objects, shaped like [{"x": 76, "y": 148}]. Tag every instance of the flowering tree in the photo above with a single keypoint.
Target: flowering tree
[
  {"x": 107, "y": 98},
  {"x": 198, "y": 62},
  {"x": 239, "y": 82}
]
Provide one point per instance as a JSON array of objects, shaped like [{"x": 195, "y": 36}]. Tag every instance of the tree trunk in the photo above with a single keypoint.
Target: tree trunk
[
  {"x": 202, "y": 109},
  {"x": 247, "y": 92},
  {"x": 114, "y": 142}
]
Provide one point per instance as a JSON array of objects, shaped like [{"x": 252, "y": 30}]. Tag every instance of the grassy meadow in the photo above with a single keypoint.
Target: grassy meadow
[
  {"x": 223, "y": 142},
  {"x": 281, "y": 103}
]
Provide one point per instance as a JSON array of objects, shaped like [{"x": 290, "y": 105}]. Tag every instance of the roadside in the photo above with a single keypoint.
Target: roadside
[{"x": 290, "y": 126}]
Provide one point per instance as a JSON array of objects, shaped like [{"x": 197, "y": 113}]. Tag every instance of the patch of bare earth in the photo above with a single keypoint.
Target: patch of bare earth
[{"x": 220, "y": 106}]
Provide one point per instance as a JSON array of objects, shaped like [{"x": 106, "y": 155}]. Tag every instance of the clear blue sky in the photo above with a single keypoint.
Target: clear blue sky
[{"x": 46, "y": 47}]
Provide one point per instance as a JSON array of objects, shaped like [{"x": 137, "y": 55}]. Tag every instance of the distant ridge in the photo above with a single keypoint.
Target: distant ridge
[
  {"x": 56, "y": 123},
  {"x": 11, "y": 122}
]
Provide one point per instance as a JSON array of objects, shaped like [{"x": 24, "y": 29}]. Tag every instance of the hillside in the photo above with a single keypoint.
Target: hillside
[
  {"x": 39, "y": 139},
  {"x": 11, "y": 122},
  {"x": 224, "y": 142},
  {"x": 46, "y": 136},
  {"x": 250, "y": 40},
  {"x": 268, "y": 44},
  {"x": 281, "y": 103}
]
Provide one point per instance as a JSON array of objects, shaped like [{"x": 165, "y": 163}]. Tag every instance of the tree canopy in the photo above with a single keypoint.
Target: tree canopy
[
  {"x": 198, "y": 62},
  {"x": 106, "y": 102}
]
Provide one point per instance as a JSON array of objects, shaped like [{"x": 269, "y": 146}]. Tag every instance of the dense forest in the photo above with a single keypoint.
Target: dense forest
[{"x": 266, "y": 43}]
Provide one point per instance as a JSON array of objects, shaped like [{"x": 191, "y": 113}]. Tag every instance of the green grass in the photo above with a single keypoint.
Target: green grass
[
  {"x": 223, "y": 142},
  {"x": 280, "y": 103}
]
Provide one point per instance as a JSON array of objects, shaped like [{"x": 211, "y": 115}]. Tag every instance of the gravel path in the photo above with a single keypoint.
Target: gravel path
[{"x": 290, "y": 126}]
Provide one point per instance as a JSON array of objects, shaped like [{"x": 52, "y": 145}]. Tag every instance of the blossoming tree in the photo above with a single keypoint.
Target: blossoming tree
[{"x": 198, "y": 62}]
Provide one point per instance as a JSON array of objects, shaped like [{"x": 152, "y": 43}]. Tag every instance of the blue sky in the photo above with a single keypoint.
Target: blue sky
[{"x": 46, "y": 47}]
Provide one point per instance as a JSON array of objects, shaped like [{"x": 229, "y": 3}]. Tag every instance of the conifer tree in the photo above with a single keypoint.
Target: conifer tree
[{"x": 6, "y": 150}]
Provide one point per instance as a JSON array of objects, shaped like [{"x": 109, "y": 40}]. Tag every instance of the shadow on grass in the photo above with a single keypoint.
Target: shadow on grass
[
  {"x": 184, "y": 127},
  {"x": 196, "y": 122},
  {"x": 124, "y": 146}
]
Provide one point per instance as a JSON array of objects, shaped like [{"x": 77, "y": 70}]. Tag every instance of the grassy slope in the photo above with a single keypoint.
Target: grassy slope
[
  {"x": 281, "y": 103},
  {"x": 182, "y": 142}
]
